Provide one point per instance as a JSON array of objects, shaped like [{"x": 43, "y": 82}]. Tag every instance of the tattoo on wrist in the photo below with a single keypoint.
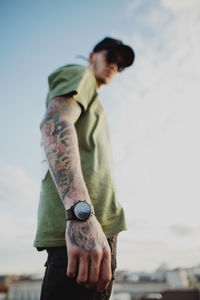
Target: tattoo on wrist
[{"x": 81, "y": 235}]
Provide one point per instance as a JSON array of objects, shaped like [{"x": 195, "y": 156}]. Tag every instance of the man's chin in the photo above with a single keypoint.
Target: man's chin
[{"x": 105, "y": 80}]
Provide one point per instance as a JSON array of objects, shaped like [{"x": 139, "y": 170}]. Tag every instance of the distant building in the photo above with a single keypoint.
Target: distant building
[
  {"x": 194, "y": 272},
  {"x": 177, "y": 278},
  {"x": 160, "y": 273},
  {"x": 121, "y": 296},
  {"x": 133, "y": 277}
]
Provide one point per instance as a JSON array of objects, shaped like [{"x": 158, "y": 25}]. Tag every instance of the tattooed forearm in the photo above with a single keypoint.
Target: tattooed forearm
[
  {"x": 81, "y": 235},
  {"x": 61, "y": 146}
]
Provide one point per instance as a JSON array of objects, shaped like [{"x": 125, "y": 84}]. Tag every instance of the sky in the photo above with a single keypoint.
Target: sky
[{"x": 153, "y": 113}]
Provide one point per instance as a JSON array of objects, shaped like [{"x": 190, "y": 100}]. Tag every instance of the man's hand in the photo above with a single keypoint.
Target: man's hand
[{"x": 89, "y": 257}]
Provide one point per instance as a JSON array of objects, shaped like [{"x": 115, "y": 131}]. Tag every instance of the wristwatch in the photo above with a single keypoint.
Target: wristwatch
[{"x": 80, "y": 211}]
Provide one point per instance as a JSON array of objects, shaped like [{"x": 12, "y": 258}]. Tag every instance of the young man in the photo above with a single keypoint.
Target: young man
[{"x": 79, "y": 216}]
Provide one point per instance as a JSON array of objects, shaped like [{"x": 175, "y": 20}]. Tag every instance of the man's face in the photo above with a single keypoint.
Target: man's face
[{"x": 104, "y": 71}]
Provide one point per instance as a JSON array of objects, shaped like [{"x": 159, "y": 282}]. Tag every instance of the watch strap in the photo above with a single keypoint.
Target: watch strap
[{"x": 70, "y": 214}]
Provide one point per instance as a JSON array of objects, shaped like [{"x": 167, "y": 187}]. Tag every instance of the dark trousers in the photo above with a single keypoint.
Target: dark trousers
[{"x": 57, "y": 286}]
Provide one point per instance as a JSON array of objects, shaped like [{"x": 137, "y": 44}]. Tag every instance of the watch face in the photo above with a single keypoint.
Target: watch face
[{"x": 82, "y": 210}]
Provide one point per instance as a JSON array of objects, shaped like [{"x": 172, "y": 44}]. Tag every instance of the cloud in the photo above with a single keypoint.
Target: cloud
[
  {"x": 146, "y": 246},
  {"x": 153, "y": 111},
  {"x": 182, "y": 230},
  {"x": 19, "y": 199},
  {"x": 146, "y": 7},
  {"x": 147, "y": 255},
  {"x": 19, "y": 195},
  {"x": 16, "y": 186},
  {"x": 180, "y": 6}
]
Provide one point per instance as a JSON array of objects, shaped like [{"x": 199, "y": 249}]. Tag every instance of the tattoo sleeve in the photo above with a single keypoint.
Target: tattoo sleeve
[{"x": 61, "y": 147}]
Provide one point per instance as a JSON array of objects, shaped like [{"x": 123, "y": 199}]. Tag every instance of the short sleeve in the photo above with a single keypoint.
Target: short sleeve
[{"x": 74, "y": 80}]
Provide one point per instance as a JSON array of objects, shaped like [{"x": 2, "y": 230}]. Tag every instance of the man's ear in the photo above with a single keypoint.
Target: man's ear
[{"x": 91, "y": 57}]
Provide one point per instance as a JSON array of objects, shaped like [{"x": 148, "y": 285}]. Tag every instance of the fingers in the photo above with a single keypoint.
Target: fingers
[
  {"x": 105, "y": 272},
  {"x": 72, "y": 265},
  {"x": 94, "y": 270},
  {"x": 82, "y": 277},
  {"x": 91, "y": 271}
]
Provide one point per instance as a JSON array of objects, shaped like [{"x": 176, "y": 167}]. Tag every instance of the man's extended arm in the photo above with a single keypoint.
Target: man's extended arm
[{"x": 87, "y": 246}]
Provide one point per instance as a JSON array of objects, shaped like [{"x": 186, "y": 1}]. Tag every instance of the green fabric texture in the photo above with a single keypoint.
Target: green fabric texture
[{"x": 96, "y": 161}]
